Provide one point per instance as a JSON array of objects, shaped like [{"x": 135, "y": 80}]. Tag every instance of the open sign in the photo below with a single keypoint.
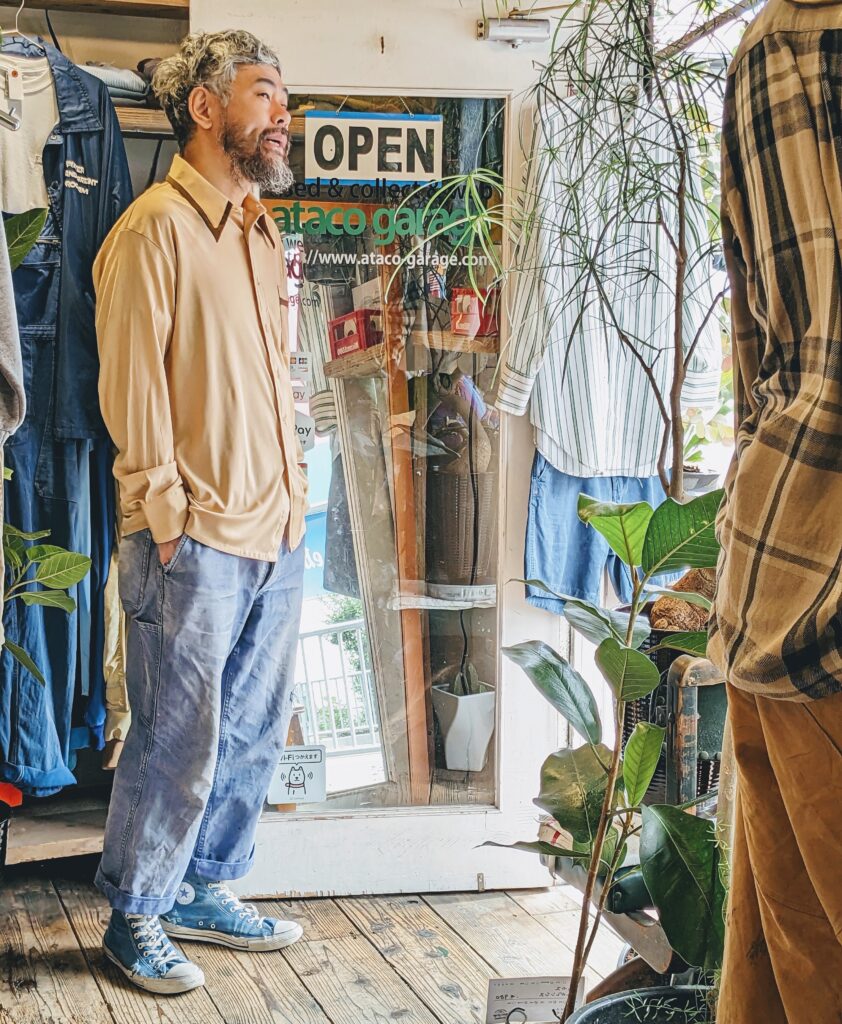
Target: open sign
[{"x": 372, "y": 147}]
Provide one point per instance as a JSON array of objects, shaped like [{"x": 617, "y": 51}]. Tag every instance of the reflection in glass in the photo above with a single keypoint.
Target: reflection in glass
[{"x": 396, "y": 338}]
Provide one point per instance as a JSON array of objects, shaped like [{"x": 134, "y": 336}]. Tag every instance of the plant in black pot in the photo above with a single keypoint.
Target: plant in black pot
[{"x": 595, "y": 791}]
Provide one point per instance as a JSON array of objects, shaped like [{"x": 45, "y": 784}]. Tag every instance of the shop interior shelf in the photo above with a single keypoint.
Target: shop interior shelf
[
  {"x": 57, "y": 827},
  {"x": 447, "y": 341},
  {"x": 369, "y": 362},
  {"x": 135, "y": 8},
  {"x": 141, "y": 122},
  {"x": 145, "y": 123},
  {"x": 486, "y": 598}
]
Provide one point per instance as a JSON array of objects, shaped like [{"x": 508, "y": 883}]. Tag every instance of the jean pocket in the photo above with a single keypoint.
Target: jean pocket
[
  {"x": 133, "y": 558},
  {"x": 171, "y": 564},
  {"x": 150, "y": 638}
]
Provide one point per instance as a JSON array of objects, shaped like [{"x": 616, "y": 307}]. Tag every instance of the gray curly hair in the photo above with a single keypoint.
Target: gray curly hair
[{"x": 210, "y": 59}]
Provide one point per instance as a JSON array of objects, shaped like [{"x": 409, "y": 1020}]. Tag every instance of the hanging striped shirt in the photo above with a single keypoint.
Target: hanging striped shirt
[{"x": 591, "y": 402}]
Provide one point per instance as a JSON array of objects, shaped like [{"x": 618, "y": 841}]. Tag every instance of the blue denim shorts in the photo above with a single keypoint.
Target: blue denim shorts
[{"x": 561, "y": 551}]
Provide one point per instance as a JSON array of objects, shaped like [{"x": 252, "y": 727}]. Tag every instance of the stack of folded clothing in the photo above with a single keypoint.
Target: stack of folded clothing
[{"x": 127, "y": 88}]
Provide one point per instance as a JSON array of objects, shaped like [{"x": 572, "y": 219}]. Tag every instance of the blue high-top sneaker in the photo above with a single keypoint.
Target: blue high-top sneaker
[
  {"x": 136, "y": 943},
  {"x": 210, "y": 912}
]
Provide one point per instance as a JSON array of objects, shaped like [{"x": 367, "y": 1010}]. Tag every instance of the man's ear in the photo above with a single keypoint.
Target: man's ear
[{"x": 203, "y": 106}]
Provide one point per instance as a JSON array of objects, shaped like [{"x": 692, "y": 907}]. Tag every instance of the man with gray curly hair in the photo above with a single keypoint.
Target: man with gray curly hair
[{"x": 195, "y": 391}]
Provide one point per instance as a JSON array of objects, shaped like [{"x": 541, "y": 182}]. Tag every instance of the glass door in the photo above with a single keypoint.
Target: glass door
[{"x": 396, "y": 335}]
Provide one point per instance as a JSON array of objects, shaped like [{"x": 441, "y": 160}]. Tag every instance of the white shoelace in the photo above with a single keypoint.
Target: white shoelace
[
  {"x": 247, "y": 911},
  {"x": 152, "y": 940}
]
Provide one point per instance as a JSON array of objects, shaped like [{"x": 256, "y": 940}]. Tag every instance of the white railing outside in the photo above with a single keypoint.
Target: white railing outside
[{"x": 335, "y": 685}]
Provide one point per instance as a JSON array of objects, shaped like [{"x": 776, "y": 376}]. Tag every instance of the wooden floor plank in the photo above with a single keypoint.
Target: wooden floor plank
[
  {"x": 89, "y": 913},
  {"x": 442, "y": 970},
  {"x": 505, "y": 935},
  {"x": 558, "y": 910},
  {"x": 256, "y": 988},
  {"x": 345, "y": 973},
  {"x": 44, "y": 976}
]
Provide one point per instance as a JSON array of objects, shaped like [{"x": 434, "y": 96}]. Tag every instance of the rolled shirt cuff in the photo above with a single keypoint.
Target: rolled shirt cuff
[{"x": 159, "y": 493}]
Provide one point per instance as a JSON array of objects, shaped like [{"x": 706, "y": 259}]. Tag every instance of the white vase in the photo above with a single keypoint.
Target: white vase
[{"x": 467, "y": 725}]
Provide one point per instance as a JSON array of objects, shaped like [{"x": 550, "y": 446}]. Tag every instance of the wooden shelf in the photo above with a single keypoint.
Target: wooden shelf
[
  {"x": 368, "y": 363},
  {"x": 66, "y": 828},
  {"x": 447, "y": 341},
  {"x": 371, "y": 362},
  {"x": 144, "y": 123},
  {"x": 134, "y": 8}
]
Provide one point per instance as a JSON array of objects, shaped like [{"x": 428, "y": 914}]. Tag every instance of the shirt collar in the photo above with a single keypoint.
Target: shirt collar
[
  {"x": 213, "y": 207},
  {"x": 76, "y": 113}
]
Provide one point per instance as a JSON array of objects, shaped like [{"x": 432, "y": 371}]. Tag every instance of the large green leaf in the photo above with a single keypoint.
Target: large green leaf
[
  {"x": 38, "y": 552},
  {"x": 19, "y": 654},
  {"x": 13, "y": 531},
  {"x": 58, "y": 572},
  {"x": 50, "y": 598},
  {"x": 609, "y": 848},
  {"x": 623, "y": 526},
  {"x": 545, "y": 849},
  {"x": 681, "y": 536},
  {"x": 640, "y": 760},
  {"x": 561, "y": 684},
  {"x": 680, "y": 862},
  {"x": 573, "y": 784},
  {"x": 691, "y": 643},
  {"x": 593, "y": 622},
  {"x": 629, "y": 673},
  {"x": 22, "y": 233},
  {"x": 14, "y": 550}
]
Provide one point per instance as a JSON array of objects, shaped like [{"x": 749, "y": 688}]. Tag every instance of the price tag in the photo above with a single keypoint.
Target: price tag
[
  {"x": 528, "y": 1000},
  {"x": 300, "y": 778},
  {"x": 14, "y": 92}
]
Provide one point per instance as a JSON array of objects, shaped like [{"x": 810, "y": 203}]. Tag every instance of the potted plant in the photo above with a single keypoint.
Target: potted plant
[
  {"x": 594, "y": 791},
  {"x": 464, "y": 708}
]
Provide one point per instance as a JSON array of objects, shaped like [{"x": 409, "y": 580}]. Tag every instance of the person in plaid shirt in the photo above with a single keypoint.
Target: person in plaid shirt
[{"x": 776, "y": 627}]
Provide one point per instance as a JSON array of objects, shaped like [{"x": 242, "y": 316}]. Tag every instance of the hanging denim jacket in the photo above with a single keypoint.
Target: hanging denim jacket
[
  {"x": 88, "y": 182},
  {"x": 60, "y": 457}
]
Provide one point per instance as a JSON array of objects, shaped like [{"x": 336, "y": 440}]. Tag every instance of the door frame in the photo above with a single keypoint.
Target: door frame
[{"x": 440, "y": 848}]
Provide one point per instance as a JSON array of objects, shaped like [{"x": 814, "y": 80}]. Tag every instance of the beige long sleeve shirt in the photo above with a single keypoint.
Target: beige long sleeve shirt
[{"x": 194, "y": 370}]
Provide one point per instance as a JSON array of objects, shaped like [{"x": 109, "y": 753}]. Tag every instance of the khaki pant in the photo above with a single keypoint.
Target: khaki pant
[{"x": 783, "y": 949}]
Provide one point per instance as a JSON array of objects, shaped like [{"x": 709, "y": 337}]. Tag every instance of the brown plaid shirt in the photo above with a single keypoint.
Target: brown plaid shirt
[{"x": 777, "y": 623}]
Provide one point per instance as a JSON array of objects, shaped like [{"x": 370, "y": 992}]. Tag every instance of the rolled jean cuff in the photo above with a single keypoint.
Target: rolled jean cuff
[
  {"x": 129, "y": 903},
  {"x": 221, "y": 870}
]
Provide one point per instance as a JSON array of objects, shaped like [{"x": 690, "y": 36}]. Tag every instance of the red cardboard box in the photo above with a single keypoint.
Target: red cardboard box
[
  {"x": 354, "y": 332},
  {"x": 474, "y": 315}
]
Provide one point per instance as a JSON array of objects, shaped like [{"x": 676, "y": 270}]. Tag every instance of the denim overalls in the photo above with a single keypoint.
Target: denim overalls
[{"x": 61, "y": 456}]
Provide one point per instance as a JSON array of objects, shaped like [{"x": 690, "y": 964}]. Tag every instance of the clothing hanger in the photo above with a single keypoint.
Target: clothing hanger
[
  {"x": 10, "y": 119},
  {"x": 17, "y": 31}
]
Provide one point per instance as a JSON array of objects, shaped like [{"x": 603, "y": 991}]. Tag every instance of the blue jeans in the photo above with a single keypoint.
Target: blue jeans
[
  {"x": 211, "y": 649},
  {"x": 561, "y": 551}
]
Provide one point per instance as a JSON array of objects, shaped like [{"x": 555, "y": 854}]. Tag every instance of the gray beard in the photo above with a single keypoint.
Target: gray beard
[{"x": 271, "y": 175}]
